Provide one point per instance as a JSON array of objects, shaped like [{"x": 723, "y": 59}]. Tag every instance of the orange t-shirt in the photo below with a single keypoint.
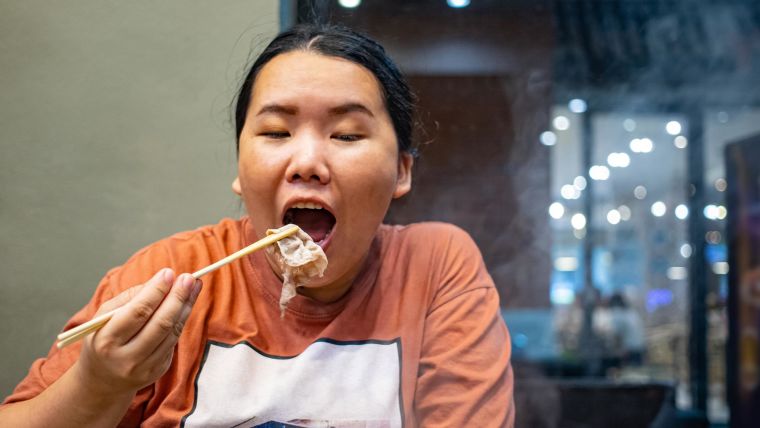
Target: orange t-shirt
[{"x": 417, "y": 341}]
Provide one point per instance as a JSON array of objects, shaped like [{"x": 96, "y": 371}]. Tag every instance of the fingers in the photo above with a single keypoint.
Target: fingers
[
  {"x": 137, "y": 345},
  {"x": 120, "y": 300},
  {"x": 166, "y": 325},
  {"x": 162, "y": 355},
  {"x": 136, "y": 313}
]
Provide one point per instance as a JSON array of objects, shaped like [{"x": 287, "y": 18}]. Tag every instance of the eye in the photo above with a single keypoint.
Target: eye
[
  {"x": 275, "y": 135},
  {"x": 348, "y": 138}
]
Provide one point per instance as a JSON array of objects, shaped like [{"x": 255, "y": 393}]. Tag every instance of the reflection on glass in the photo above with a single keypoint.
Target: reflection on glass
[
  {"x": 556, "y": 210},
  {"x": 561, "y": 123},
  {"x": 548, "y": 138}
]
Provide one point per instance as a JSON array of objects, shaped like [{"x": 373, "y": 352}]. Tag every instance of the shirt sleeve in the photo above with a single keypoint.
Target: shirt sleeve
[{"x": 465, "y": 376}]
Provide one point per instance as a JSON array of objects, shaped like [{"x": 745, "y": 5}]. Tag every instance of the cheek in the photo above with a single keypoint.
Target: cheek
[
  {"x": 373, "y": 183},
  {"x": 258, "y": 176}
]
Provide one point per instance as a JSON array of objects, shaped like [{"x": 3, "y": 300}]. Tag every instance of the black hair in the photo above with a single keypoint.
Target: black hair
[{"x": 341, "y": 42}]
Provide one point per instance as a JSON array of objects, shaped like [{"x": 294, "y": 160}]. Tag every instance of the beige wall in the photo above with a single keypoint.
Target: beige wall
[{"x": 114, "y": 131}]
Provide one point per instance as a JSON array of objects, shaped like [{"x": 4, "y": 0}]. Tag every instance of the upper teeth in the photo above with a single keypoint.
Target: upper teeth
[{"x": 308, "y": 205}]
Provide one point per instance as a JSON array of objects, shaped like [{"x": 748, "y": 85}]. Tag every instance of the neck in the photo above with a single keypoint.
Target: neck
[{"x": 333, "y": 291}]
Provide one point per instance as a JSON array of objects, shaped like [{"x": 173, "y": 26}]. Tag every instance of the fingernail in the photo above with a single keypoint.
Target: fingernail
[
  {"x": 196, "y": 289},
  {"x": 168, "y": 276},
  {"x": 187, "y": 281}
]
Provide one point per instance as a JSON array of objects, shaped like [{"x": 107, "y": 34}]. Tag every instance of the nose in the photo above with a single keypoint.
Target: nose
[{"x": 308, "y": 161}]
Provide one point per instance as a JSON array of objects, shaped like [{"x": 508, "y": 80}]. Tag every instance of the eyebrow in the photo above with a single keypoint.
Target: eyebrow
[
  {"x": 334, "y": 111},
  {"x": 277, "y": 109},
  {"x": 350, "y": 108}
]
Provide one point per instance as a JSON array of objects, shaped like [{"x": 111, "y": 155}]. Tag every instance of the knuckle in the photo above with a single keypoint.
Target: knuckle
[
  {"x": 178, "y": 327},
  {"x": 100, "y": 349},
  {"x": 165, "y": 325},
  {"x": 169, "y": 326},
  {"x": 181, "y": 298},
  {"x": 103, "y": 346},
  {"x": 158, "y": 292},
  {"x": 142, "y": 312}
]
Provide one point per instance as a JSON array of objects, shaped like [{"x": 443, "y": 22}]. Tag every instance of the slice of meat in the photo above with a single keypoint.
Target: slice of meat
[{"x": 300, "y": 260}]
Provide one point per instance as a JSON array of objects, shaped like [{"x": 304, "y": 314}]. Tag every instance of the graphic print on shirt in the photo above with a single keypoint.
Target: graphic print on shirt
[{"x": 330, "y": 384}]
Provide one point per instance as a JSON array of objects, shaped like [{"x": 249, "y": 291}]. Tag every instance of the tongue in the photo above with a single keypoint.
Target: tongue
[{"x": 317, "y": 223}]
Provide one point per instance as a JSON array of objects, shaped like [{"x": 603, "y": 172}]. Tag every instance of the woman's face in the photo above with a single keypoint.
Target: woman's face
[{"x": 318, "y": 149}]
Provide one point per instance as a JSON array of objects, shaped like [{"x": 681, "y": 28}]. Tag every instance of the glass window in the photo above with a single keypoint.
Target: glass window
[{"x": 582, "y": 144}]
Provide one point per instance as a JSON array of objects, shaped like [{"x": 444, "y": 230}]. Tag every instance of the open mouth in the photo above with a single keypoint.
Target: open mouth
[{"x": 314, "y": 219}]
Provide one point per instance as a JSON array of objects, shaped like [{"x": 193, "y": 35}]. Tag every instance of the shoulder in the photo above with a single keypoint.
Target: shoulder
[
  {"x": 429, "y": 235},
  {"x": 444, "y": 243},
  {"x": 185, "y": 251},
  {"x": 226, "y": 228},
  {"x": 441, "y": 254}
]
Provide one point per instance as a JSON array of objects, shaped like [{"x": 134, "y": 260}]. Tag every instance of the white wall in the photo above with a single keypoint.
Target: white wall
[{"x": 115, "y": 131}]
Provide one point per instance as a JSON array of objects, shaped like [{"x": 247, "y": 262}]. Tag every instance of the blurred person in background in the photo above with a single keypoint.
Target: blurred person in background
[{"x": 622, "y": 331}]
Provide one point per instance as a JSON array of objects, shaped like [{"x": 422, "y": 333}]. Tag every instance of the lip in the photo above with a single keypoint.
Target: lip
[{"x": 296, "y": 200}]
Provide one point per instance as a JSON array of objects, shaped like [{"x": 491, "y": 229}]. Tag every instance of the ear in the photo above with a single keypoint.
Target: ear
[
  {"x": 404, "y": 176},
  {"x": 236, "y": 186}
]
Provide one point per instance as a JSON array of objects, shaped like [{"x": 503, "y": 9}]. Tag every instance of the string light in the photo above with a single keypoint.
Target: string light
[
  {"x": 618, "y": 160},
  {"x": 659, "y": 209},
  {"x": 556, "y": 210},
  {"x": 613, "y": 216},
  {"x": 548, "y": 138},
  {"x": 713, "y": 237},
  {"x": 561, "y": 123},
  {"x": 568, "y": 191},
  {"x": 641, "y": 145},
  {"x": 682, "y": 211},
  {"x": 599, "y": 172},
  {"x": 458, "y": 4},
  {"x": 640, "y": 192},
  {"x": 580, "y": 182},
  {"x": 721, "y": 184},
  {"x": 722, "y": 212},
  {"x": 577, "y": 105},
  {"x": 673, "y": 127},
  {"x": 578, "y": 221},
  {"x": 720, "y": 268},
  {"x": 566, "y": 264},
  {"x": 350, "y": 4},
  {"x": 677, "y": 273},
  {"x": 625, "y": 212},
  {"x": 710, "y": 212},
  {"x": 685, "y": 251}
]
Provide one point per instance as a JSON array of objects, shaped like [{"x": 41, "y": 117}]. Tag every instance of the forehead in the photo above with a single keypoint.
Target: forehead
[{"x": 301, "y": 78}]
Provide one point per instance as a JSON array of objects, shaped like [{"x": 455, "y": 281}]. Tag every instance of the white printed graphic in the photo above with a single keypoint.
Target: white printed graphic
[{"x": 352, "y": 384}]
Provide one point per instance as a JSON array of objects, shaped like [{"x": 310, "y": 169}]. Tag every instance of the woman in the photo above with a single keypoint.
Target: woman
[{"x": 402, "y": 330}]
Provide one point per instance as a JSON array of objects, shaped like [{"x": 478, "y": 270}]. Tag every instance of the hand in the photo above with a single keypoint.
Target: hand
[{"x": 136, "y": 346}]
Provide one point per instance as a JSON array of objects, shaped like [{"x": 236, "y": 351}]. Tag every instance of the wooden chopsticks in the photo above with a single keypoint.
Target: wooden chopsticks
[{"x": 75, "y": 334}]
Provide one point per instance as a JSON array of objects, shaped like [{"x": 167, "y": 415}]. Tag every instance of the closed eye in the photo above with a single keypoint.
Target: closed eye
[
  {"x": 275, "y": 135},
  {"x": 348, "y": 138}
]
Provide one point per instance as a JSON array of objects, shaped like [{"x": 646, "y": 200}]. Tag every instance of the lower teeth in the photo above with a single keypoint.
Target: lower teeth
[{"x": 326, "y": 235}]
